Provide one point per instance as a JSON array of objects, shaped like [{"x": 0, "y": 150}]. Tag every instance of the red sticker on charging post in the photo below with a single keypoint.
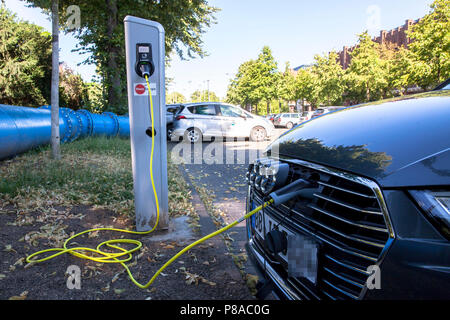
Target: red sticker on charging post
[{"x": 140, "y": 89}]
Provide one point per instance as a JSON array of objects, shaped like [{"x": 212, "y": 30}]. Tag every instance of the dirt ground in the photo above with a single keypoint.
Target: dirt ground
[{"x": 205, "y": 272}]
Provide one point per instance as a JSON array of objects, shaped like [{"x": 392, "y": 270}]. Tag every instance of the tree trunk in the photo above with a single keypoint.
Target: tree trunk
[
  {"x": 55, "y": 139},
  {"x": 114, "y": 88},
  {"x": 367, "y": 93}
]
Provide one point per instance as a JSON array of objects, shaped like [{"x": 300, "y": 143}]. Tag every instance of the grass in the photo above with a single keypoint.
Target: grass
[{"x": 93, "y": 171}]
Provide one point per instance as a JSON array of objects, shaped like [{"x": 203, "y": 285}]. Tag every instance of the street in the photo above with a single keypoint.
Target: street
[{"x": 217, "y": 171}]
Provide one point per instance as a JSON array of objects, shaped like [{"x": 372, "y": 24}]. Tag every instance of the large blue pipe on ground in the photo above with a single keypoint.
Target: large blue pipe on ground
[{"x": 23, "y": 128}]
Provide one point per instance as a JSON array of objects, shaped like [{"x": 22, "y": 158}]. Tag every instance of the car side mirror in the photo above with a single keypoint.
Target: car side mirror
[{"x": 243, "y": 116}]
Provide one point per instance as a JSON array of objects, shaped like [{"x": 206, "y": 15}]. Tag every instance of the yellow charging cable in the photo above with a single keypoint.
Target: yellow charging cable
[{"x": 125, "y": 255}]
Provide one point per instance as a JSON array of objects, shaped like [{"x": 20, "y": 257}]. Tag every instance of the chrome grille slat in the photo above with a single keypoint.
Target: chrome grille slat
[
  {"x": 329, "y": 295},
  {"x": 344, "y": 278},
  {"x": 345, "y": 190},
  {"x": 347, "y": 265},
  {"x": 346, "y": 205},
  {"x": 369, "y": 227},
  {"x": 347, "y": 217},
  {"x": 340, "y": 290},
  {"x": 337, "y": 246},
  {"x": 370, "y": 243}
]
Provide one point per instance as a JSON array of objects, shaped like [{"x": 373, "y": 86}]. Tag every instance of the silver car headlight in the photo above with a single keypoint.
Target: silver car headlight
[{"x": 436, "y": 205}]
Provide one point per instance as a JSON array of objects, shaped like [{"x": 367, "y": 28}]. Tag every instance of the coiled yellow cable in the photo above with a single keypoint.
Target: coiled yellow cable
[{"x": 125, "y": 255}]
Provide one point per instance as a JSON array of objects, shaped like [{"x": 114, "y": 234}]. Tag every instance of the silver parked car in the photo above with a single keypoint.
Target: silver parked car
[
  {"x": 195, "y": 121},
  {"x": 171, "y": 110},
  {"x": 287, "y": 120},
  {"x": 306, "y": 115}
]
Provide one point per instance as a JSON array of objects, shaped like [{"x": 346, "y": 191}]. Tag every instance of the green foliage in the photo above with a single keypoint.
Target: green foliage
[
  {"x": 25, "y": 62},
  {"x": 204, "y": 95},
  {"x": 175, "y": 97},
  {"x": 430, "y": 48},
  {"x": 306, "y": 86},
  {"x": 255, "y": 81},
  {"x": 240, "y": 89},
  {"x": 95, "y": 98},
  {"x": 73, "y": 91},
  {"x": 375, "y": 72},
  {"x": 366, "y": 76},
  {"x": 102, "y": 35},
  {"x": 286, "y": 88},
  {"x": 92, "y": 171},
  {"x": 330, "y": 84}
]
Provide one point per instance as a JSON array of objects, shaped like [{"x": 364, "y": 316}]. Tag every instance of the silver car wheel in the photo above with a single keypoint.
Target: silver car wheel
[
  {"x": 258, "y": 134},
  {"x": 193, "y": 135}
]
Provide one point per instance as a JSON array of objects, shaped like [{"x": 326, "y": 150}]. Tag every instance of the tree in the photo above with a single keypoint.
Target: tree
[
  {"x": 101, "y": 34},
  {"x": 175, "y": 97},
  {"x": 430, "y": 46},
  {"x": 400, "y": 71},
  {"x": 306, "y": 84},
  {"x": 73, "y": 91},
  {"x": 330, "y": 83},
  {"x": 25, "y": 62},
  {"x": 255, "y": 81},
  {"x": 53, "y": 8},
  {"x": 286, "y": 86},
  {"x": 94, "y": 102},
  {"x": 266, "y": 77},
  {"x": 366, "y": 76},
  {"x": 202, "y": 96},
  {"x": 241, "y": 88}
]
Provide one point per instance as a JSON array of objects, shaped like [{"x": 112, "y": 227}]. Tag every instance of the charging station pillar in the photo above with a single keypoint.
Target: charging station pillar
[{"x": 141, "y": 31}]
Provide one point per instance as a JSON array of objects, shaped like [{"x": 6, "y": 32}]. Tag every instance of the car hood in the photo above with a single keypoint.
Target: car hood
[{"x": 396, "y": 142}]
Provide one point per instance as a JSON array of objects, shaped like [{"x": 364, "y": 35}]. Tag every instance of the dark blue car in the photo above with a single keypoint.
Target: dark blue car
[{"x": 374, "y": 222}]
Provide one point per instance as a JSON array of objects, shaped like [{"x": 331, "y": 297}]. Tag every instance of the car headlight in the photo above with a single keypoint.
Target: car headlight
[{"x": 436, "y": 205}]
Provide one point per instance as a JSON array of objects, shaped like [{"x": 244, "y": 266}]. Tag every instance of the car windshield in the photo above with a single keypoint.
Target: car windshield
[{"x": 447, "y": 87}]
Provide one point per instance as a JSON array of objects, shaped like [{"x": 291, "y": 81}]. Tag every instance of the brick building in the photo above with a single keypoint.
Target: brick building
[{"x": 396, "y": 37}]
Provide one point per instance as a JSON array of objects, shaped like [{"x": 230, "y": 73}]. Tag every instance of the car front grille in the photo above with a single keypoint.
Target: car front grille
[{"x": 347, "y": 216}]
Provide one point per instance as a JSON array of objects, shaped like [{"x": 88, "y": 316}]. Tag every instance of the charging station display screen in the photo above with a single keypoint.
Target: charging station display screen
[{"x": 144, "y": 49}]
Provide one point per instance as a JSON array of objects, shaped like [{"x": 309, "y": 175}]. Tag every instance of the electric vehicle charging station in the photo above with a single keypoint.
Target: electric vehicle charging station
[{"x": 144, "y": 45}]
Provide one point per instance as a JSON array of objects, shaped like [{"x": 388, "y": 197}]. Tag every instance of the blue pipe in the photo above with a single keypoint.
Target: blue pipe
[
  {"x": 124, "y": 126},
  {"x": 23, "y": 128},
  {"x": 86, "y": 122}
]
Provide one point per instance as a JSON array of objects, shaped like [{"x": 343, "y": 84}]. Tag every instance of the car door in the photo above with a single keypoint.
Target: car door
[
  {"x": 285, "y": 118},
  {"x": 206, "y": 119},
  {"x": 233, "y": 122}
]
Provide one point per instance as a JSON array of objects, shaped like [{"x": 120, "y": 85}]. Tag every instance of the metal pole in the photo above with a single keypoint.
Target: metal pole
[{"x": 55, "y": 139}]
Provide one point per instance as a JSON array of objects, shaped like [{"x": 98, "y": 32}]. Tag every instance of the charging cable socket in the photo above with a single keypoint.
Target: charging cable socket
[{"x": 144, "y": 66}]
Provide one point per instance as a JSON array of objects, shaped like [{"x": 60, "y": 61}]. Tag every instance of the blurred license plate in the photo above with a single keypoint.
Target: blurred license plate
[{"x": 301, "y": 254}]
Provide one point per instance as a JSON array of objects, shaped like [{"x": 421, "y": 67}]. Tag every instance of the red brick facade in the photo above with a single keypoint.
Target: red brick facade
[{"x": 396, "y": 37}]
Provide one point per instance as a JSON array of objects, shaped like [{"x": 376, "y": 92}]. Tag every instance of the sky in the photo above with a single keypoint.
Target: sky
[{"x": 295, "y": 30}]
